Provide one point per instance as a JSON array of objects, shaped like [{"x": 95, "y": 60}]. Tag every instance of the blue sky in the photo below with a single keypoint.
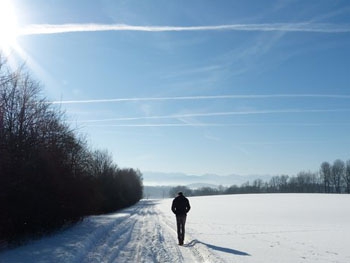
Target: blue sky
[{"x": 244, "y": 87}]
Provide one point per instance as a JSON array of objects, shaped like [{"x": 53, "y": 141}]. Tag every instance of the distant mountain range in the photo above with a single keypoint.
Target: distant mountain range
[{"x": 173, "y": 179}]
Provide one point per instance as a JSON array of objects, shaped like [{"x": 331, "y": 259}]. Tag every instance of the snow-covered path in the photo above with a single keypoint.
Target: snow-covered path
[
  {"x": 143, "y": 236},
  {"x": 137, "y": 234}
]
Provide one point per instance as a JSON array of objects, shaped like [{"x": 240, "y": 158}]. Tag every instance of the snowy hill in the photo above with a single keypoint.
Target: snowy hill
[{"x": 266, "y": 228}]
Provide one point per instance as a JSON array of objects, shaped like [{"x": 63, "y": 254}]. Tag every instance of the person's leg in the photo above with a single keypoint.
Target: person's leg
[
  {"x": 182, "y": 229},
  {"x": 178, "y": 224}
]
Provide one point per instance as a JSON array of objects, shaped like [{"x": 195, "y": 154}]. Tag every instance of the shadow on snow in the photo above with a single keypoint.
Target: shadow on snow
[{"x": 222, "y": 249}]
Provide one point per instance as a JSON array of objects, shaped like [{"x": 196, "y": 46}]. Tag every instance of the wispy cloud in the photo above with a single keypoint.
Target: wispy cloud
[
  {"x": 268, "y": 96},
  {"x": 213, "y": 114},
  {"x": 39, "y": 29}
]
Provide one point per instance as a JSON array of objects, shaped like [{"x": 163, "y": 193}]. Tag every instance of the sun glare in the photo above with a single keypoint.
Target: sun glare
[{"x": 8, "y": 25}]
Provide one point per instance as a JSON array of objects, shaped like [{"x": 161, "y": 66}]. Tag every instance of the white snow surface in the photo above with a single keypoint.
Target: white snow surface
[{"x": 265, "y": 228}]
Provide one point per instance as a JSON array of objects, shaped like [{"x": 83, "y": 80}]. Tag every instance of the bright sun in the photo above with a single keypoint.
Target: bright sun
[{"x": 8, "y": 25}]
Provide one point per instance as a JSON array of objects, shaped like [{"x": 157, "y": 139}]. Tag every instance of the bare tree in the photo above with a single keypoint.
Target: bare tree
[
  {"x": 275, "y": 184},
  {"x": 325, "y": 173},
  {"x": 347, "y": 176},
  {"x": 337, "y": 174},
  {"x": 102, "y": 163},
  {"x": 258, "y": 185}
]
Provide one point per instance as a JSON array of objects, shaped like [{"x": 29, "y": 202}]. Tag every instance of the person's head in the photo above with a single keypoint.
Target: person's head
[{"x": 180, "y": 193}]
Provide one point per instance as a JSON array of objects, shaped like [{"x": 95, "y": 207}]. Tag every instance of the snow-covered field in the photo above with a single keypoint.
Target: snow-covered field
[{"x": 263, "y": 228}]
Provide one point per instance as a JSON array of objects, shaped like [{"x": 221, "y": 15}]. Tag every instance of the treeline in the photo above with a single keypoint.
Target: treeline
[
  {"x": 331, "y": 178},
  {"x": 49, "y": 177}
]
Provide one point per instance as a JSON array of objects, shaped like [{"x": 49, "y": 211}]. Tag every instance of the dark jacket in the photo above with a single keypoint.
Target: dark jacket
[{"x": 180, "y": 205}]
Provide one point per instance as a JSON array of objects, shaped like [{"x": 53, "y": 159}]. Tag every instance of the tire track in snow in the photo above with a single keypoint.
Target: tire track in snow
[
  {"x": 111, "y": 240},
  {"x": 150, "y": 241}
]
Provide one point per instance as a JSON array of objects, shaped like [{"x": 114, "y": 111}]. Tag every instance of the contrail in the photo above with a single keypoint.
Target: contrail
[
  {"x": 212, "y": 114},
  {"x": 40, "y": 29},
  {"x": 330, "y": 96},
  {"x": 216, "y": 124}
]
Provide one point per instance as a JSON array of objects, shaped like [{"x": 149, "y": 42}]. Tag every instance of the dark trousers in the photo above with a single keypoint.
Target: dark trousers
[{"x": 181, "y": 221}]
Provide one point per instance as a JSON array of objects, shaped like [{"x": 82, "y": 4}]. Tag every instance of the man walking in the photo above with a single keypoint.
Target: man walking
[{"x": 180, "y": 208}]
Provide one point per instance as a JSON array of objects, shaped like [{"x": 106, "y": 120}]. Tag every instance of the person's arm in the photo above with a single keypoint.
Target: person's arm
[
  {"x": 188, "y": 207},
  {"x": 173, "y": 207}
]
